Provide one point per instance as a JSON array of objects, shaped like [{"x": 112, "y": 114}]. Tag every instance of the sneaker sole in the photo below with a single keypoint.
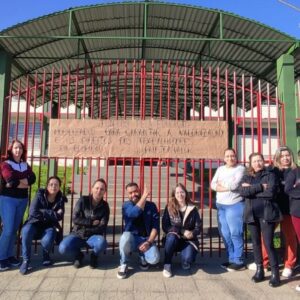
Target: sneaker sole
[
  {"x": 121, "y": 276},
  {"x": 15, "y": 265},
  {"x": 223, "y": 267},
  {"x": 4, "y": 269}
]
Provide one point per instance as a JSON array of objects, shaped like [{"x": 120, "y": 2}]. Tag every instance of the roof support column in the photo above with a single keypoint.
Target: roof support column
[
  {"x": 5, "y": 70},
  {"x": 286, "y": 93},
  {"x": 53, "y": 163}
]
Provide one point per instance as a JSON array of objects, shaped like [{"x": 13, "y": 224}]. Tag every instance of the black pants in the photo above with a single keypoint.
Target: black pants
[{"x": 266, "y": 230}]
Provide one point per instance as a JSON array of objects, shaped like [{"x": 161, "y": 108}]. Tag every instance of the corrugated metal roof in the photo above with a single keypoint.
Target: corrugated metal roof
[{"x": 146, "y": 30}]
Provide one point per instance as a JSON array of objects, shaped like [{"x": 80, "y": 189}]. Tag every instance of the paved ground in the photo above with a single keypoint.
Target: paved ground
[{"x": 206, "y": 280}]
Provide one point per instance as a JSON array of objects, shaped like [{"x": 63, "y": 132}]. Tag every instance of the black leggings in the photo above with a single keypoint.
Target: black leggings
[{"x": 266, "y": 230}]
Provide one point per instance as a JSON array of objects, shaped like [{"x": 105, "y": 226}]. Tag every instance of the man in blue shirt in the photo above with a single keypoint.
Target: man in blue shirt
[{"x": 141, "y": 229}]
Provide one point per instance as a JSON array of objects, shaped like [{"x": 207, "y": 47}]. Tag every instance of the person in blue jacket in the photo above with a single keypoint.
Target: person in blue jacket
[
  {"x": 46, "y": 212},
  {"x": 141, "y": 229}
]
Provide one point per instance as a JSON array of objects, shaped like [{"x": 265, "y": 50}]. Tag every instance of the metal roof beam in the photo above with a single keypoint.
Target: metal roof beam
[
  {"x": 150, "y": 38},
  {"x": 144, "y": 29},
  {"x": 294, "y": 49},
  {"x": 73, "y": 19}
]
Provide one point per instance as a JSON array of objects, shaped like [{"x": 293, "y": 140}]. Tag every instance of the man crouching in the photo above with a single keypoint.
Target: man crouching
[{"x": 141, "y": 229}]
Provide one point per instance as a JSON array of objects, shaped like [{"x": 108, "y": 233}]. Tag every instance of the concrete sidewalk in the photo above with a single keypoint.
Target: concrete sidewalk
[{"x": 206, "y": 280}]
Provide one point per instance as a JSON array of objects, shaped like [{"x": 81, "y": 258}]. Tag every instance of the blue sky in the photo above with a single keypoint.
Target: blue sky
[{"x": 273, "y": 13}]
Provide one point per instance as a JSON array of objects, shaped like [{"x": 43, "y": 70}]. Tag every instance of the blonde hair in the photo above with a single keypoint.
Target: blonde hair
[{"x": 277, "y": 155}]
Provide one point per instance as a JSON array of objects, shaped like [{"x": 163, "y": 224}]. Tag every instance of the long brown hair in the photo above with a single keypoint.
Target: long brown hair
[
  {"x": 10, "y": 155},
  {"x": 173, "y": 205},
  {"x": 250, "y": 168},
  {"x": 277, "y": 156}
]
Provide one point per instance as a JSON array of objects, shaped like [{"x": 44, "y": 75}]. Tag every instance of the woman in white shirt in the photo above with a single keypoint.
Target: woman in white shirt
[{"x": 230, "y": 207}]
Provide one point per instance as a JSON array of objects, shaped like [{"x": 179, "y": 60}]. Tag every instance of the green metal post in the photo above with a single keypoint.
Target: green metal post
[
  {"x": 286, "y": 93},
  {"x": 5, "y": 70}
]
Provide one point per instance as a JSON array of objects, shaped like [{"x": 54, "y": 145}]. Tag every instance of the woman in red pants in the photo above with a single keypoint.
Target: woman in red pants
[
  {"x": 283, "y": 164},
  {"x": 292, "y": 188}
]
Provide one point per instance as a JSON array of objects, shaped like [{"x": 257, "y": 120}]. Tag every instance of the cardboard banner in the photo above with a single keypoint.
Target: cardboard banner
[{"x": 137, "y": 138}]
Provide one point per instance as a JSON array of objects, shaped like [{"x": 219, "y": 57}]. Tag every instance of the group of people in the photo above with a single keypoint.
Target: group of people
[
  {"x": 181, "y": 221},
  {"x": 261, "y": 197}
]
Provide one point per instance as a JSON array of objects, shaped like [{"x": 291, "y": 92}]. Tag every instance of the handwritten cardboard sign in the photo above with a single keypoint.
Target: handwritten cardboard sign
[{"x": 137, "y": 138}]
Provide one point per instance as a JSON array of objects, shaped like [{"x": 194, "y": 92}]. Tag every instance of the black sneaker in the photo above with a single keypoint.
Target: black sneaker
[
  {"x": 122, "y": 273},
  {"x": 46, "y": 259},
  {"x": 13, "y": 261},
  {"x": 144, "y": 266},
  {"x": 225, "y": 265},
  {"x": 4, "y": 265},
  {"x": 78, "y": 260},
  {"x": 236, "y": 267},
  {"x": 93, "y": 261}
]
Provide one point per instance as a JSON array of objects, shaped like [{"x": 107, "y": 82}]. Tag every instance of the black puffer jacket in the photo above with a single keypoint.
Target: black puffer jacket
[
  {"x": 292, "y": 188},
  {"x": 191, "y": 222},
  {"x": 282, "y": 198},
  {"x": 44, "y": 215},
  {"x": 84, "y": 214},
  {"x": 255, "y": 191}
]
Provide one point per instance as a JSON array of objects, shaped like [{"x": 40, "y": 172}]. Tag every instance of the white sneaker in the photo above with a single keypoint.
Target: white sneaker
[
  {"x": 252, "y": 266},
  {"x": 298, "y": 288},
  {"x": 167, "y": 272},
  {"x": 287, "y": 273},
  {"x": 144, "y": 266},
  {"x": 122, "y": 272}
]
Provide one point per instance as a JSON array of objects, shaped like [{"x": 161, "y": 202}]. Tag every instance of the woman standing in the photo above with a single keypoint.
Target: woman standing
[
  {"x": 90, "y": 218},
  {"x": 259, "y": 188},
  {"x": 292, "y": 188},
  {"x": 230, "y": 207},
  {"x": 46, "y": 211},
  {"x": 17, "y": 176},
  {"x": 283, "y": 164},
  {"x": 181, "y": 223}
]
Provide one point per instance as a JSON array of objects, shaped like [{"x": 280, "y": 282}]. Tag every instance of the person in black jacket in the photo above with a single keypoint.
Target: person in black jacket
[
  {"x": 181, "y": 223},
  {"x": 292, "y": 188},
  {"x": 283, "y": 163},
  {"x": 46, "y": 211},
  {"x": 259, "y": 188},
  {"x": 90, "y": 218}
]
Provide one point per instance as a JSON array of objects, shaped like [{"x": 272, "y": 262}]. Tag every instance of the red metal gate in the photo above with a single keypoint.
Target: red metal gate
[{"x": 143, "y": 90}]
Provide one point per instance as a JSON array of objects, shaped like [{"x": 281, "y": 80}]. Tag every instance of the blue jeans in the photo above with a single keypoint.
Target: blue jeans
[
  {"x": 11, "y": 212},
  {"x": 130, "y": 242},
  {"x": 231, "y": 228},
  {"x": 32, "y": 231},
  {"x": 173, "y": 244},
  {"x": 72, "y": 244}
]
